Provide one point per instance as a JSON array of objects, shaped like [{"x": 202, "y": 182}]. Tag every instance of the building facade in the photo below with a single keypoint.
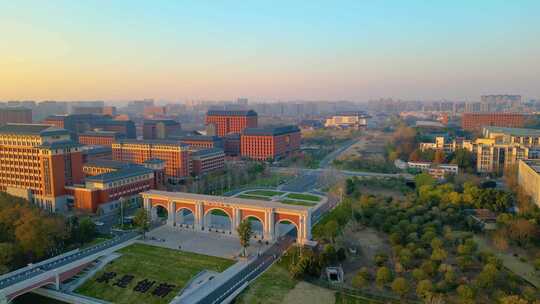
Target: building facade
[
  {"x": 529, "y": 178},
  {"x": 347, "y": 120},
  {"x": 15, "y": 115},
  {"x": 37, "y": 162},
  {"x": 207, "y": 160},
  {"x": 202, "y": 141},
  {"x": 227, "y": 122},
  {"x": 269, "y": 143},
  {"x": 502, "y": 147},
  {"x": 99, "y": 138},
  {"x": 160, "y": 129},
  {"x": 476, "y": 121},
  {"x": 174, "y": 154},
  {"x": 81, "y": 123}
]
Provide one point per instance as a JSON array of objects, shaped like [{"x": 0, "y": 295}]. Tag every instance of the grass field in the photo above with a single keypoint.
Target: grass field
[
  {"x": 264, "y": 192},
  {"x": 262, "y": 198},
  {"x": 299, "y": 203},
  {"x": 342, "y": 298},
  {"x": 155, "y": 264},
  {"x": 306, "y": 197},
  {"x": 271, "y": 287}
]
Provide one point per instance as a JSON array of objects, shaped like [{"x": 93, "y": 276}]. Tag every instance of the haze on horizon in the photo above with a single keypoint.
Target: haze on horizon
[{"x": 310, "y": 50}]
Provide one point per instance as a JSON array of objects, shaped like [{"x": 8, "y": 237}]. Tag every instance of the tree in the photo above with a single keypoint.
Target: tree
[
  {"x": 142, "y": 221},
  {"x": 424, "y": 179},
  {"x": 86, "y": 230},
  {"x": 424, "y": 289},
  {"x": 522, "y": 230},
  {"x": 466, "y": 294},
  {"x": 400, "y": 287},
  {"x": 244, "y": 233},
  {"x": 513, "y": 300},
  {"x": 439, "y": 157},
  {"x": 419, "y": 275},
  {"x": 439, "y": 255},
  {"x": 384, "y": 276},
  {"x": 7, "y": 254},
  {"x": 361, "y": 278},
  {"x": 331, "y": 230},
  {"x": 488, "y": 276}
]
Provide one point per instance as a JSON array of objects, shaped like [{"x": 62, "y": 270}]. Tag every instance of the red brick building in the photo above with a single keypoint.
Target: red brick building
[
  {"x": 475, "y": 121},
  {"x": 15, "y": 115},
  {"x": 99, "y": 138},
  {"x": 37, "y": 162},
  {"x": 227, "y": 122},
  {"x": 173, "y": 153},
  {"x": 105, "y": 190},
  {"x": 231, "y": 145},
  {"x": 269, "y": 143},
  {"x": 207, "y": 160}
]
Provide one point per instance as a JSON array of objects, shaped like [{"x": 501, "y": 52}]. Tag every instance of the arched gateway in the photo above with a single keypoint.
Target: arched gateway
[{"x": 199, "y": 206}]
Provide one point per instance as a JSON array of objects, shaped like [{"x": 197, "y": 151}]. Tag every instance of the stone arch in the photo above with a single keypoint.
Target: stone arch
[
  {"x": 185, "y": 216},
  {"x": 281, "y": 228},
  {"x": 159, "y": 211},
  {"x": 258, "y": 228},
  {"x": 217, "y": 222},
  {"x": 190, "y": 207}
]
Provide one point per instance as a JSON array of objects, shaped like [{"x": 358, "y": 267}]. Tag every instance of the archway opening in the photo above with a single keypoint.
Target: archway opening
[
  {"x": 256, "y": 226},
  {"x": 217, "y": 219},
  {"x": 184, "y": 216},
  {"x": 161, "y": 213},
  {"x": 286, "y": 228}
]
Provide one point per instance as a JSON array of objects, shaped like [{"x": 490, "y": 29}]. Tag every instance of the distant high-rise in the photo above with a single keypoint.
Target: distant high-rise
[
  {"x": 227, "y": 122},
  {"x": 15, "y": 115}
]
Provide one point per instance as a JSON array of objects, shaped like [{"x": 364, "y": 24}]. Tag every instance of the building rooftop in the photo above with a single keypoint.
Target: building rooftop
[
  {"x": 533, "y": 164},
  {"x": 60, "y": 144},
  {"x": 90, "y": 150},
  {"x": 154, "y": 161},
  {"x": 231, "y": 113},
  {"x": 224, "y": 200},
  {"x": 169, "y": 122},
  {"x": 513, "y": 131},
  {"x": 198, "y": 138},
  {"x": 271, "y": 131},
  {"x": 106, "y": 163},
  {"x": 31, "y": 129},
  {"x": 101, "y": 133},
  {"x": 206, "y": 152},
  {"x": 130, "y": 171},
  {"x": 153, "y": 142}
]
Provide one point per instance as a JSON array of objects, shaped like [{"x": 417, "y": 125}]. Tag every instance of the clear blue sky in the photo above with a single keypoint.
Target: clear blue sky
[{"x": 268, "y": 49}]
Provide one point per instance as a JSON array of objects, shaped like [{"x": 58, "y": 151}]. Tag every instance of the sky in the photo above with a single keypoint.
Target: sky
[{"x": 268, "y": 50}]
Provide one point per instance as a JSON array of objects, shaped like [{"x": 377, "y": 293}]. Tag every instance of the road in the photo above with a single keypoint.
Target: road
[
  {"x": 20, "y": 275},
  {"x": 255, "y": 268}
]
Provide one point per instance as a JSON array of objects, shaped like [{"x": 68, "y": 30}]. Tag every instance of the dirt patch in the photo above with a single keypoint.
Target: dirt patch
[{"x": 309, "y": 293}]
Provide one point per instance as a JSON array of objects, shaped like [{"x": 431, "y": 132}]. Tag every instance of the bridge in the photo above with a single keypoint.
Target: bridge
[
  {"x": 198, "y": 206},
  {"x": 54, "y": 271}
]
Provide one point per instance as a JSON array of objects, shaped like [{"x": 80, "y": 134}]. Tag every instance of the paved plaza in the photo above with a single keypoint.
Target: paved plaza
[{"x": 209, "y": 243}]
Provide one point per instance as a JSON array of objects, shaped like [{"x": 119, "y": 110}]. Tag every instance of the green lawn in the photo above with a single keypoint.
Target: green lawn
[
  {"x": 342, "y": 298},
  {"x": 155, "y": 264},
  {"x": 264, "y": 192},
  {"x": 271, "y": 287},
  {"x": 262, "y": 198},
  {"x": 306, "y": 197},
  {"x": 299, "y": 203}
]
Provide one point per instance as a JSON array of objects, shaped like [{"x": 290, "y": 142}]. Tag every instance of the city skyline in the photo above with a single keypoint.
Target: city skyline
[{"x": 284, "y": 51}]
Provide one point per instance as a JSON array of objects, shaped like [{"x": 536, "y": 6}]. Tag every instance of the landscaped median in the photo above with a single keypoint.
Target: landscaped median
[
  {"x": 148, "y": 274},
  {"x": 268, "y": 193},
  {"x": 304, "y": 197}
]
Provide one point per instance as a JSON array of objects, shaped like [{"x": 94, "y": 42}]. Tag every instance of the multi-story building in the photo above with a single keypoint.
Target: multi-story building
[
  {"x": 154, "y": 111},
  {"x": 347, "y": 120},
  {"x": 92, "y": 153},
  {"x": 160, "y": 129},
  {"x": 102, "y": 193},
  {"x": 80, "y": 123},
  {"x": 442, "y": 143},
  {"x": 207, "y": 160},
  {"x": 173, "y": 153},
  {"x": 501, "y": 147},
  {"x": 37, "y": 162},
  {"x": 201, "y": 141},
  {"x": 475, "y": 121},
  {"x": 529, "y": 179},
  {"x": 99, "y": 138},
  {"x": 231, "y": 145},
  {"x": 15, "y": 115},
  {"x": 226, "y": 122},
  {"x": 438, "y": 171},
  {"x": 269, "y": 143},
  {"x": 98, "y": 167}
]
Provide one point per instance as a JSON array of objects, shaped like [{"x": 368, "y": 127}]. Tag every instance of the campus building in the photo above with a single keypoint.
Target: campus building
[
  {"x": 81, "y": 123},
  {"x": 529, "y": 178},
  {"x": 269, "y": 143},
  {"x": 347, "y": 120},
  {"x": 174, "y": 154},
  {"x": 207, "y": 160},
  {"x": 15, "y": 115},
  {"x": 448, "y": 146},
  {"x": 99, "y": 138},
  {"x": 102, "y": 193},
  {"x": 36, "y": 163},
  {"x": 438, "y": 171},
  {"x": 201, "y": 141},
  {"x": 91, "y": 153},
  {"x": 160, "y": 129},
  {"x": 226, "y": 122},
  {"x": 501, "y": 147},
  {"x": 476, "y": 121}
]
